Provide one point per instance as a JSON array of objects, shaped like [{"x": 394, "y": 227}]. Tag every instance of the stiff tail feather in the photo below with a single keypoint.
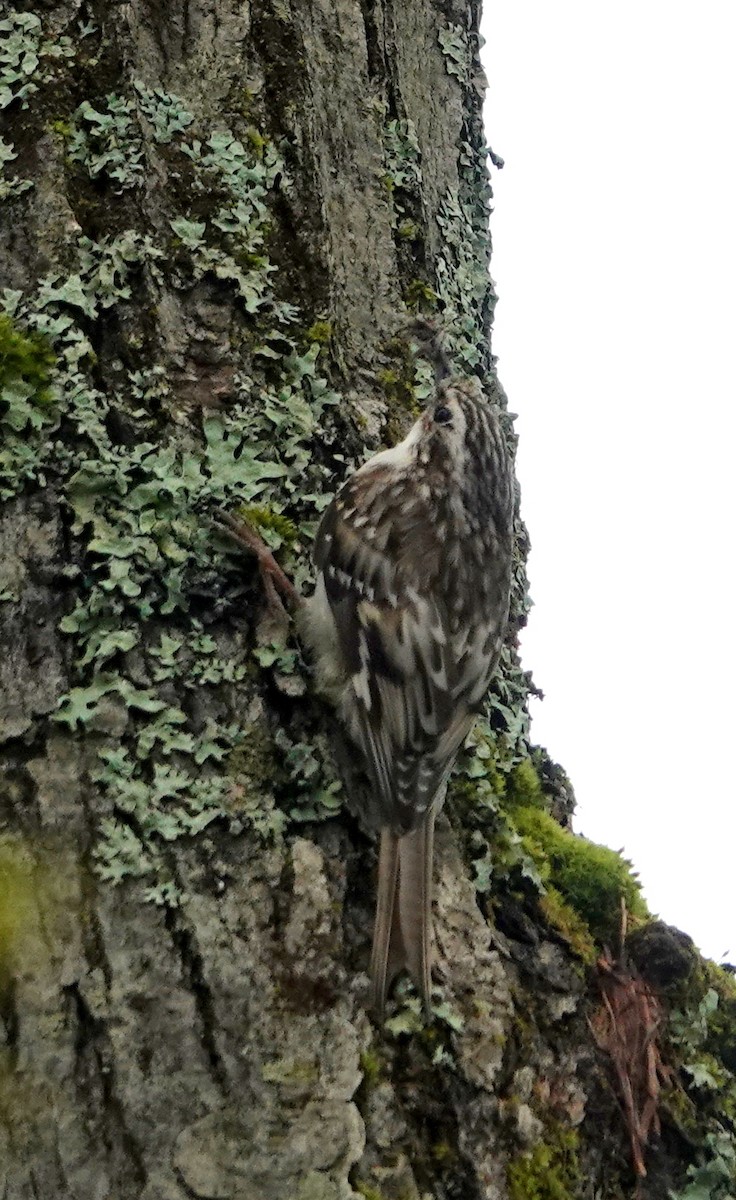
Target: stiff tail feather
[{"x": 402, "y": 936}]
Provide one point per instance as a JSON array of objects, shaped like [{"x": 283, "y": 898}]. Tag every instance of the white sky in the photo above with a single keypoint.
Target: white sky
[{"x": 614, "y": 236}]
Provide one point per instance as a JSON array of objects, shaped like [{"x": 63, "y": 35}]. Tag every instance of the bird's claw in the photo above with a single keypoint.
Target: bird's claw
[{"x": 274, "y": 579}]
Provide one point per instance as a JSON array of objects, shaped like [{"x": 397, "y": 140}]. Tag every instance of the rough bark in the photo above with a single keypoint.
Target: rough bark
[{"x": 185, "y": 907}]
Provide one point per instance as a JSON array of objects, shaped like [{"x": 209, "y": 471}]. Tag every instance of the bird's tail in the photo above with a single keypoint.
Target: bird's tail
[{"x": 402, "y": 936}]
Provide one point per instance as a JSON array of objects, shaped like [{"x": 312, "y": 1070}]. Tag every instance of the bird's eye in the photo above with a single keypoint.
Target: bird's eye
[{"x": 442, "y": 415}]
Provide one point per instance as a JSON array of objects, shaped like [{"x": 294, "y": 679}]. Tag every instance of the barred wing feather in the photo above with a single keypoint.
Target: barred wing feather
[{"x": 412, "y": 687}]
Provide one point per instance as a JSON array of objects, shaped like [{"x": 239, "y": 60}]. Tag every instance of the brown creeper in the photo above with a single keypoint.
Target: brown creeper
[{"x": 406, "y": 624}]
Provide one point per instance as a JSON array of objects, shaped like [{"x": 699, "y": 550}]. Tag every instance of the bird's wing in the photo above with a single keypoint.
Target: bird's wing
[{"x": 405, "y": 700}]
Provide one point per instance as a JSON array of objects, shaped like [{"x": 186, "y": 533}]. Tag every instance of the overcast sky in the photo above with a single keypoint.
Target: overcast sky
[{"x": 614, "y": 236}]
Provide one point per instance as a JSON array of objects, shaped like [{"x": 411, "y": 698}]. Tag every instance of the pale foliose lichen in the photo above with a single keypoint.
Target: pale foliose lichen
[
  {"x": 141, "y": 505},
  {"x": 140, "y": 501},
  {"x": 27, "y": 56},
  {"x": 10, "y": 185},
  {"x": 455, "y": 46}
]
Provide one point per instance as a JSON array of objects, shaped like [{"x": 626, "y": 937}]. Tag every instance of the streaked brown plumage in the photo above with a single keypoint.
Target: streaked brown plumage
[{"x": 406, "y": 624}]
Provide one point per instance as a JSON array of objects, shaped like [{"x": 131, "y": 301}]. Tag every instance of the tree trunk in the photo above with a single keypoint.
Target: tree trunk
[{"x": 217, "y": 216}]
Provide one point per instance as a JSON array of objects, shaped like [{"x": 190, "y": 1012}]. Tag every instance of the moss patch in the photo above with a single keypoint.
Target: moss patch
[
  {"x": 592, "y": 879},
  {"x": 277, "y": 528},
  {"x": 562, "y": 917},
  {"x": 320, "y": 332},
  {"x": 26, "y": 403},
  {"x": 372, "y": 1066},
  {"x": 18, "y": 896},
  {"x": 27, "y": 358},
  {"x": 550, "y": 1171}
]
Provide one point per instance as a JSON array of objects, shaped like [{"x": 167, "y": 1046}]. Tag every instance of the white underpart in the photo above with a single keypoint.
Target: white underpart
[
  {"x": 400, "y": 456},
  {"x": 318, "y": 628}
]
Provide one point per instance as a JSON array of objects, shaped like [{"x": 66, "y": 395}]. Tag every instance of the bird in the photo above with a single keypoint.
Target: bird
[{"x": 405, "y": 626}]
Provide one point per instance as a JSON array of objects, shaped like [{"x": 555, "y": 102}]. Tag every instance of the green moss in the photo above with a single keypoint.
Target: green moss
[
  {"x": 407, "y": 230},
  {"x": 399, "y": 390},
  {"x": 551, "y": 1171},
  {"x": 565, "y": 920},
  {"x": 255, "y": 757},
  {"x": 367, "y": 1192},
  {"x": 524, "y": 787},
  {"x": 291, "y": 1072},
  {"x": 443, "y": 1153},
  {"x": 18, "y": 896},
  {"x": 682, "y": 1111},
  {"x": 372, "y": 1067},
  {"x": 320, "y": 332},
  {"x": 25, "y": 358},
  {"x": 388, "y": 379},
  {"x": 261, "y": 517},
  {"x": 256, "y": 141},
  {"x": 27, "y": 410},
  {"x": 255, "y": 772},
  {"x": 419, "y": 297},
  {"x": 592, "y": 879},
  {"x": 241, "y": 101}
]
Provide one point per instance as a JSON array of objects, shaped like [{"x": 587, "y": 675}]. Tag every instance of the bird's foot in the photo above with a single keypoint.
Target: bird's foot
[{"x": 275, "y": 581}]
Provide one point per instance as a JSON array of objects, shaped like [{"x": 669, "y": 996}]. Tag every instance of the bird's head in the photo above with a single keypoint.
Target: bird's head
[{"x": 455, "y": 452}]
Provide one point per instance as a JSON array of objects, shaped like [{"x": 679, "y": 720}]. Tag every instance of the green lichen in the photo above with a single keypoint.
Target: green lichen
[
  {"x": 402, "y": 157},
  {"x": 551, "y": 1171},
  {"x": 107, "y": 141},
  {"x": 312, "y": 792},
  {"x": 455, "y": 47},
  {"x": 720, "y": 1032},
  {"x": 592, "y": 879},
  {"x": 27, "y": 56},
  {"x": 712, "y": 1178},
  {"x": 700, "y": 1044},
  {"x": 479, "y": 794},
  {"x": 13, "y": 185},
  {"x": 140, "y": 506}
]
